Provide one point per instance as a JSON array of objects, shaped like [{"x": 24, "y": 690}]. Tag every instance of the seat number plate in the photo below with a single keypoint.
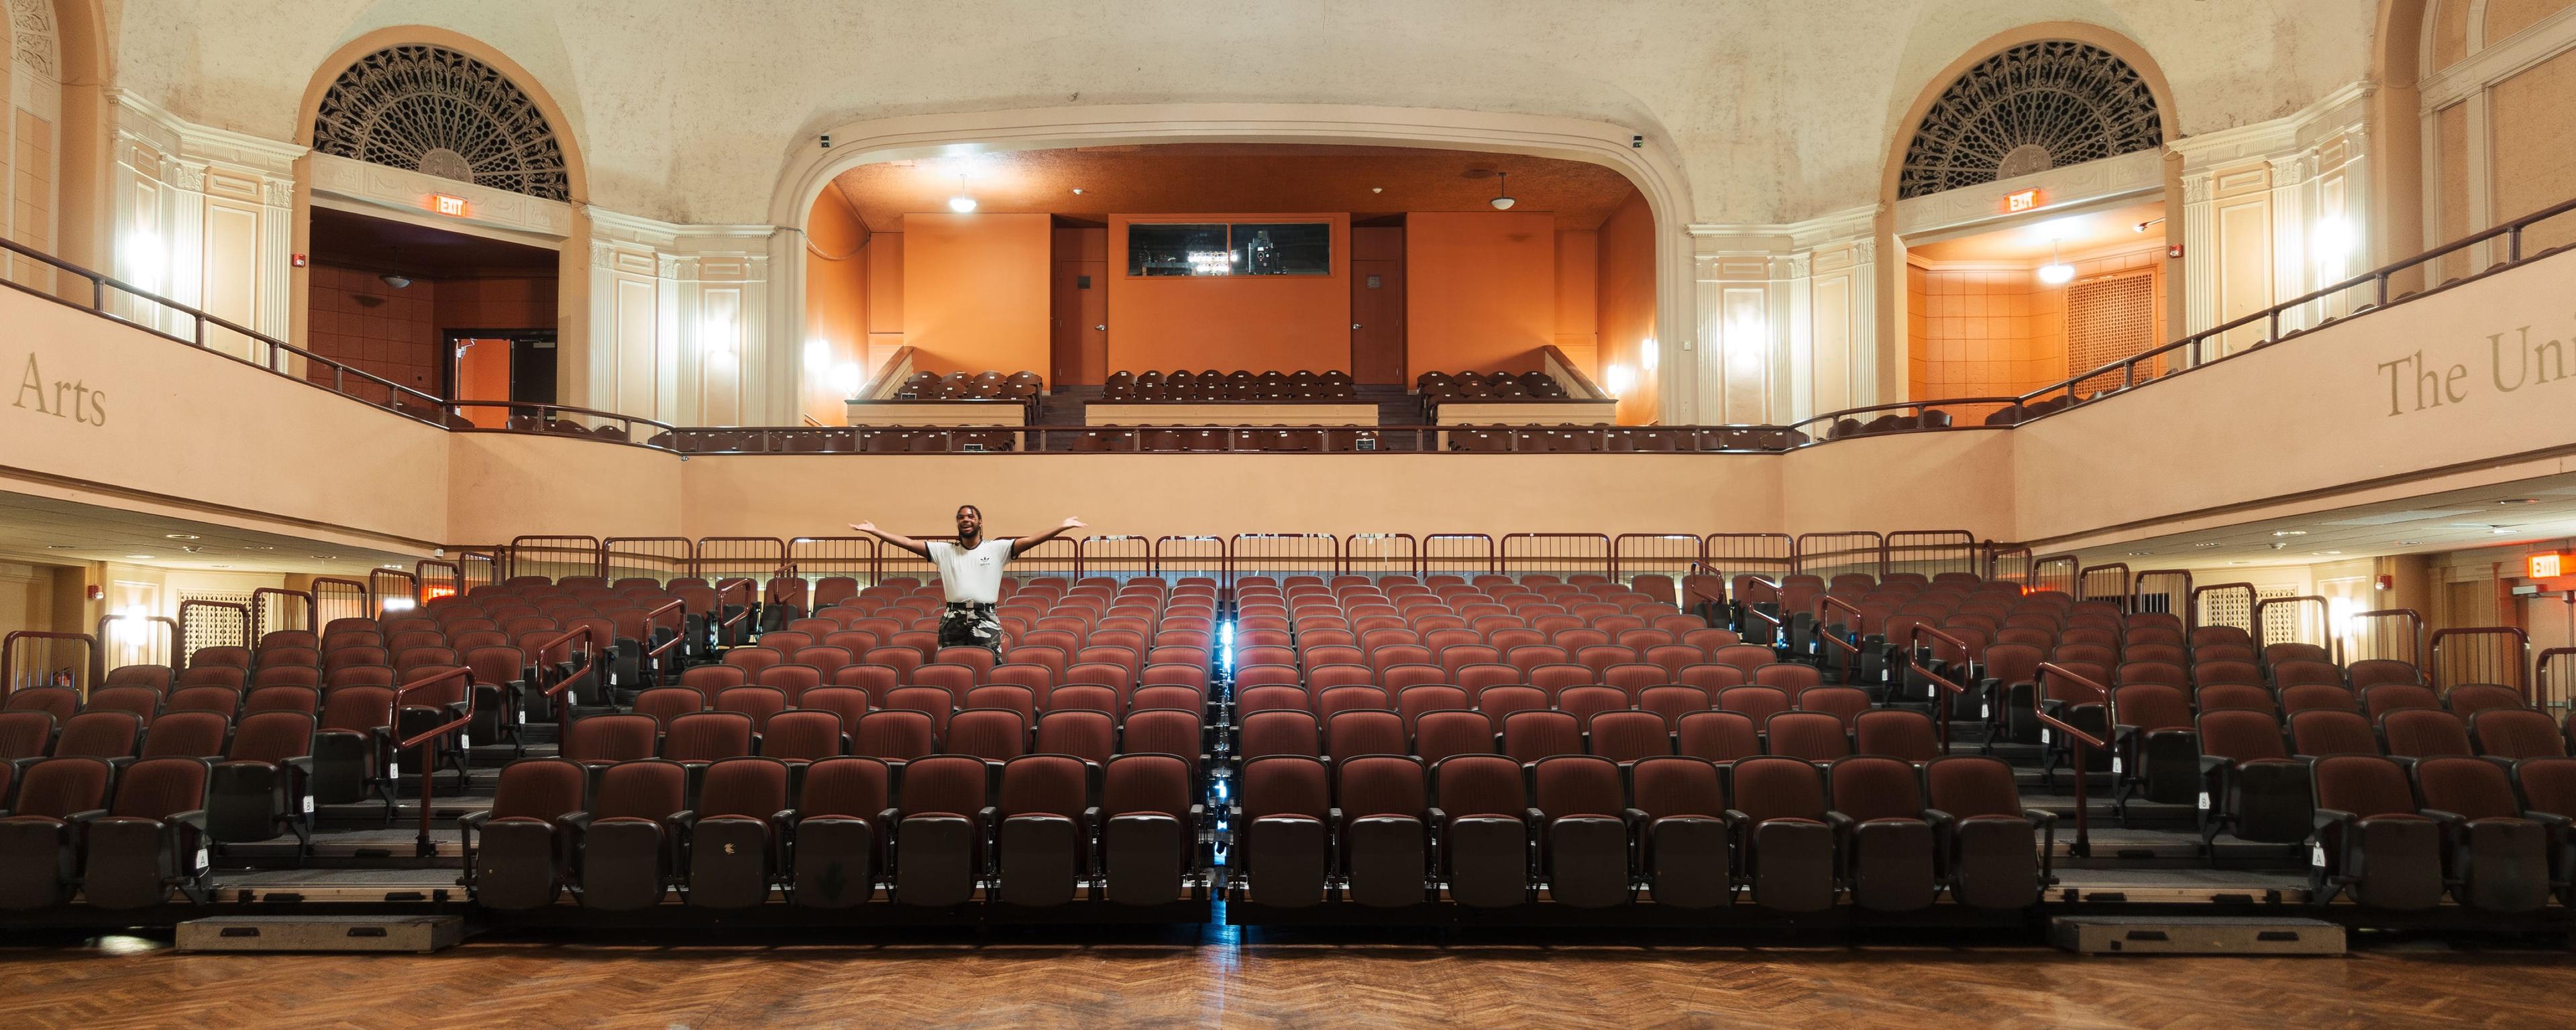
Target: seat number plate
[
  {"x": 2115, "y": 766},
  {"x": 1985, "y": 710},
  {"x": 2043, "y": 734},
  {"x": 308, "y": 804},
  {"x": 201, "y": 859},
  {"x": 2317, "y": 855},
  {"x": 2204, "y": 801}
]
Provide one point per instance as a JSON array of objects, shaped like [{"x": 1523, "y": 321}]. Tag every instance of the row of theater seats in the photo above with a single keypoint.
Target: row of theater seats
[
  {"x": 979, "y": 386},
  {"x": 1487, "y": 831},
  {"x": 1436, "y": 387},
  {"x": 1574, "y": 439},
  {"x": 1928, "y": 418},
  {"x": 1128, "y": 387},
  {"x": 125, "y": 826},
  {"x": 1037, "y": 830}
]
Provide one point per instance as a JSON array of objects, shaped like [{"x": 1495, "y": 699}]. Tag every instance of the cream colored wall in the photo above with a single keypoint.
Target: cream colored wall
[
  {"x": 166, "y": 422},
  {"x": 2492, "y": 98},
  {"x": 2233, "y": 435},
  {"x": 507, "y": 485}
]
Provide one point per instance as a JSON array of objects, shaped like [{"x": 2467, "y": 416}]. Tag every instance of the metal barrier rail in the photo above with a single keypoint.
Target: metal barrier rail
[
  {"x": 9, "y": 650},
  {"x": 2370, "y": 636},
  {"x": 98, "y": 663},
  {"x": 558, "y": 692},
  {"x": 1850, "y": 651},
  {"x": 423, "y": 848},
  {"x": 651, "y": 661},
  {"x": 2549, "y": 691},
  {"x": 189, "y": 637},
  {"x": 2078, "y": 739},
  {"x": 2486, "y": 657},
  {"x": 2322, "y": 623},
  {"x": 259, "y": 627}
]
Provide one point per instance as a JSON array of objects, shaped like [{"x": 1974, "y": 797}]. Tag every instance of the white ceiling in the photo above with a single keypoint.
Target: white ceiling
[
  {"x": 2532, "y": 514},
  {"x": 44, "y": 530}
]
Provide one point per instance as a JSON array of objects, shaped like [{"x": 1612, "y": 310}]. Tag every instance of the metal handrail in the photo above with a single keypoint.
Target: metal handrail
[
  {"x": 2126, "y": 368},
  {"x": 652, "y": 658},
  {"x": 422, "y": 847},
  {"x": 2542, "y": 691},
  {"x": 557, "y": 691},
  {"x": 2521, "y": 663},
  {"x": 1850, "y": 651},
  {"x": 2078, "y": 738},
  {"x": 1914, "y": 663},
  {"x": 1701, "y": 568}
]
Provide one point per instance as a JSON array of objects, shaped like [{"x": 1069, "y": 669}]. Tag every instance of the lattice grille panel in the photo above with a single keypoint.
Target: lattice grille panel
[{"x": 2111, "y": 320}]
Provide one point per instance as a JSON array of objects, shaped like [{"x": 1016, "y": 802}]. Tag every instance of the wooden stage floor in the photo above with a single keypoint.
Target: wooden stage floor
[{"x": 1351, "y": 979}]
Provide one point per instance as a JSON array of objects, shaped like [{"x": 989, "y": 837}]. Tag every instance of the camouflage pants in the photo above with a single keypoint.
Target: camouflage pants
[{"x": 967, "y": 624}]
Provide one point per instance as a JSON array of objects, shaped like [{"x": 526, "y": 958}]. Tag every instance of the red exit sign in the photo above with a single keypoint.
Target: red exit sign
[
  {"x": 2024, "y": 200},
  {"x": 447, "y": 205},
  {"x": 2546, "y": 566}
]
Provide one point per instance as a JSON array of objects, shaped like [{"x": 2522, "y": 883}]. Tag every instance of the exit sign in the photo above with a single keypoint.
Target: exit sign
[
  {"x": 447, "y": 205},
  {"x": 2023, "y": 200},
  {"x": 2546, "y": 566}
]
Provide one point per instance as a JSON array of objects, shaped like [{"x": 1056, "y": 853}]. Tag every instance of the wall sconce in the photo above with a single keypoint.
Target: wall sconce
[
  {"x": 1618, "y": 380},
  {"x": 848, "y": 378},
  {"x": 718, "y": 332},
  {"x": 2333, "y": 239},
  {"x": 818, "y": 355},
  {"x": 1646, "y": 354}
]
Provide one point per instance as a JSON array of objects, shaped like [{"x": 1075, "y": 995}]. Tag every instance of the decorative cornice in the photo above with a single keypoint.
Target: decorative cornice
[
  {"x": 2137, "y": 172},
  {"x": 252, "y": 153},
  {"x": 2345, "y": 108}
]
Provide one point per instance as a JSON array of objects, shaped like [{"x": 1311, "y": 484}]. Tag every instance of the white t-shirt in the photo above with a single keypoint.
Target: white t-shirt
[{"x": 972, "y": 575}]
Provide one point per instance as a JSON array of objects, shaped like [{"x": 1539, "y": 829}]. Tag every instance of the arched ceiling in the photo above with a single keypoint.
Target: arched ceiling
[
  {"x": 1773, "y": 111},
  {"x": 1186, "y": 178}
]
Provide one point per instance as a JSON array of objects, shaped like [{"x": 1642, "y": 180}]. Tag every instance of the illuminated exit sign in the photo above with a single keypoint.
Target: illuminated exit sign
[
  {"x": 2547, "y": 566},
  {"x": 447, "y": 205},
  {"x": 2024, "y": 200}
]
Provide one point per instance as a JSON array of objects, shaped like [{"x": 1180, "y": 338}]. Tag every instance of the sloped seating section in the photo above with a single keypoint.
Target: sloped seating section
[
  {"x": 972, "y": 386},
  {"x": 1125, "y": 387},
  {"x": 1477, "y": 386}
]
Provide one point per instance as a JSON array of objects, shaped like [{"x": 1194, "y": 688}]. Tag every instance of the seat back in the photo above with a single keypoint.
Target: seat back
[
  {"x": 1576, "y": 785},
  {"x": 1967, "y": 786},
  {"x": 2364, "y": 785},
  {"x": 158, "y": 788},
  {"x": 187, "y": 735},
  {"x": 2331, "y": 732},
  {"x": 643, "y": 789},
  {"x": 1867, "y": 787},
  {"x": 1779, "y": 788}
]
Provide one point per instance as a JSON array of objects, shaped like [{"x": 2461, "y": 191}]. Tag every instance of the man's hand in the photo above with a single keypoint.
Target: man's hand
[
  {"x": 1072, "y": 522},
  {"x": 864, "y": 527}
]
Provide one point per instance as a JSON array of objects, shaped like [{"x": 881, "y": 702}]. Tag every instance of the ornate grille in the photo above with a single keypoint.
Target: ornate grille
[
  {"x": 31, "y": 24},
  {"x": 2110, "y": 320},
  {"x": 437, "y": 111},
  {"x": 2029, "y": 109}
]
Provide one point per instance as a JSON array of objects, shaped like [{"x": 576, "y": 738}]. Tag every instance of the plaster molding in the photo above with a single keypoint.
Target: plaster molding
[
  {"x": 2126, "y": 175},
  {"x": 409, "y": 191},
  {"x": 2536, "y": 43},
  {"x": 2346, "y": 109}
]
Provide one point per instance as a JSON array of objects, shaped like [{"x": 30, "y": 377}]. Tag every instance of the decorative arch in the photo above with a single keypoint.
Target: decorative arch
[
  {"x": 540, "y": 103},
  {"x": 439, "y": 111},
  {"x": 2029, "y": 108},
  {"x": 1648, "y": 165},
  {"x": 1891, "y": 359}
]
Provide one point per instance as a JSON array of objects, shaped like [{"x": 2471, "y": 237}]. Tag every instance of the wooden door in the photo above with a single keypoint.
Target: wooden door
[
  {"x": 1079, "y": 351},
  {"x": 1377, "y": 321},
  {"x": 483, "y": 374}
]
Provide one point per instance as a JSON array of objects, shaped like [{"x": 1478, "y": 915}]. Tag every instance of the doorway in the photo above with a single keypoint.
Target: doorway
[
  {"x": 517, "y": 366},
  {"x": 1377, "y": 304}
]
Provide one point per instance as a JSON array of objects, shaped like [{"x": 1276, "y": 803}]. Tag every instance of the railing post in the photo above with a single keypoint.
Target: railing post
[
  {"x": 2513, "y": 243},
  {"x": 2083, "y": 846}
]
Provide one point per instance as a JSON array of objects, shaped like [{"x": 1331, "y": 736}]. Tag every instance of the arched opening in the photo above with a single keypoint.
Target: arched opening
[
  {"x": 2029, "y": 203},
  {"x": 50, "y": 149},
  {"x": 1661, "y": 286},
  {"x": 451, "y": 265},
  {"x": 1383, "y": 264}
]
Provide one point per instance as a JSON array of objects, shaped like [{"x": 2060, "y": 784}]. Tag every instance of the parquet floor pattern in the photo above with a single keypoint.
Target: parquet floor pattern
[{"x": 128, "y": 982}]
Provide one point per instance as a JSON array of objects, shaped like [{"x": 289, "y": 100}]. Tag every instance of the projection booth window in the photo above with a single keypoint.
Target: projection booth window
[{"x": 1247, "y": 248}]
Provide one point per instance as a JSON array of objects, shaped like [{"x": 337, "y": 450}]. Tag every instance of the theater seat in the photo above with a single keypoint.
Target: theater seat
[
  {"x": 1983, "y": 834},
  {"x": 2250, "y": 786},
  {"x": 1581, "y": 815},
  {"x": 836, "y": 835},
  {"x": 1885, "y": 836},
  {"x": 519, "y": 864},
  {"x": 943, "y": 815},
  {"x": 39, "y": 837},
  {"x": 1385, "y": 815},
  {"x": 2495, "y": 856},
  {"x": 1686, "y": 857},
  {"x": 2371, "y": 839},
  {"x": 729, "y": 837},
  {"x": 262, "y": 789},
  {"x": 1780, "y": 827},
  {"x": 1284, "y": 828},
  {"x": 152, "y": 839}
]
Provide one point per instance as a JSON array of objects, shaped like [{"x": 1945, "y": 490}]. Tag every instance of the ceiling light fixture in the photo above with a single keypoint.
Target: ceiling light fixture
[
  {"x": 2056, "y": 272},
  {"x": 396, "y": 281},
  {"x": 58, "y": 547},
  {"x": 257, "y": 547},
  {"x": 961, "y": 204},
  {"x": 140, "y": 557},
  {"x": 1503, "y": 199},
  {"x": 219, "y": 566},
  {"x": 2289, "y": 532},
  {"x": 2519, "y": 500},
  {"x": 325, "y": 557},
  {"x": 2210, "y": 543},
  {"x": 2498, "y": 530},
  {"x": 1077, "y": 191},
  {"x": 2408, "y": 543},
  {"x": 179, "y": 536}
]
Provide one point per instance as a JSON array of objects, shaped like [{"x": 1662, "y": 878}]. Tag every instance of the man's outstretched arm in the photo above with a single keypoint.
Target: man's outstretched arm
[
  {"x": 1021, "y": 546},
  {"x": 897, "y": 539}
]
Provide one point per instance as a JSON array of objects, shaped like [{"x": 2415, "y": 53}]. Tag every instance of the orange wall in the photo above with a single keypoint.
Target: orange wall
[
  {"x": 358, "y": 320},
  {"x": 1253, "y": 322},
  {"x": 1991, "y": 332},
  {"x": 1626, "y": 304},
  {"x": 1480, "y": 290},
  {"x": 836, "y": 304},
  {"x": 1578, "y": 298},
  {"x": 975, "y": 291}
]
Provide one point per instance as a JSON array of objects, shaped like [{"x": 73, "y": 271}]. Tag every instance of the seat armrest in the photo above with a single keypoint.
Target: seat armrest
[
  {"x": 2211, "y": 764},
  {"x": 685, "y": 819},
  {"x": 2552, "y": 820},
  {"x": 2039, "y": 816},
  {"x": 2333, "y": 818},
  {"x": 1437, "y": 818},
  {"x": 472, "y": 822}
]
